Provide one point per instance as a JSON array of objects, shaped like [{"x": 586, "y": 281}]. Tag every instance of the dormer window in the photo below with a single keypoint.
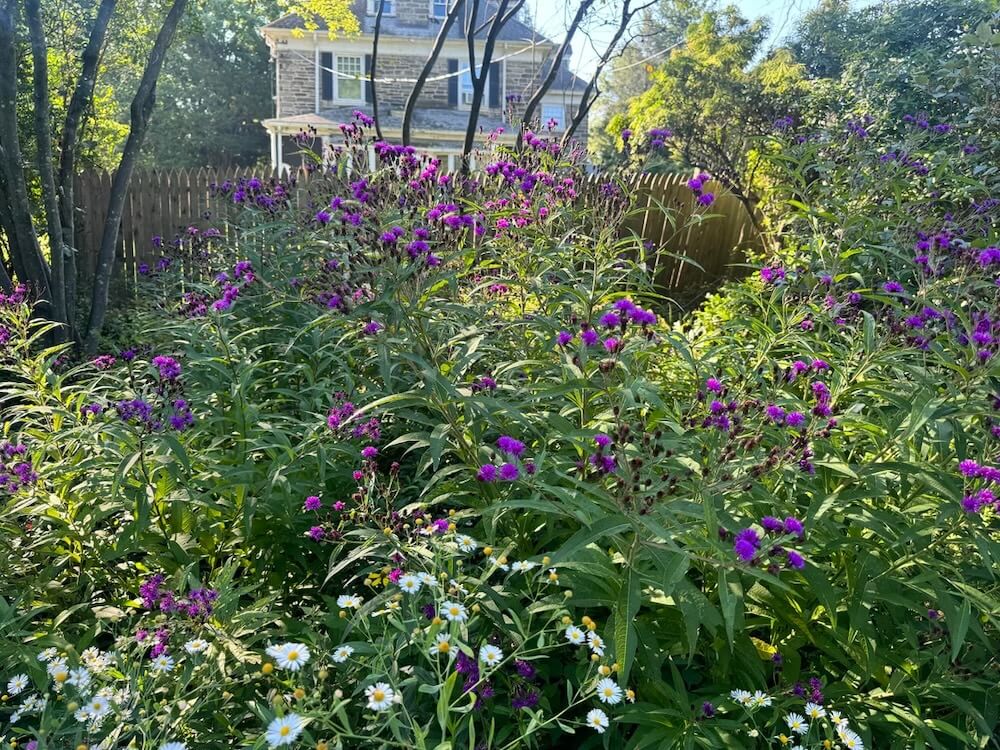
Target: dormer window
[
  {"x": 388, "y": 7},
  {"x": 439, "y": 8}
]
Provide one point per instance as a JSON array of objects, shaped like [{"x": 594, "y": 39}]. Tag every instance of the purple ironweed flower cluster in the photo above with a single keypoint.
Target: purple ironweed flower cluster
[
  {"x": 753, "y": 548},
  {"x": 168, "y": 367},
  {"x": 812, "y": 693},
  {"x": 697, "y": 186},
  {"x": 484, "y": 384},
  {"x": 603, "y": 459},
  {"x": 979, "y": 499},
  {"x": 513, "y": 462},
  {"x": 658, "y": 136},
  {"x": 16, "y": 470},
  {"x": 913, "y": 163},
  {"x": 270, "y": 195},
  {"x": 784, "y": 123},
  {"x": 922, "y": 121},
  {"x": 772, "y": 275},
  {"x": 859, "y": 128},
  {"x": 198, "y": 604},
  {"x": 341, "y": 415},
  {"x": 469, "y": 669}
]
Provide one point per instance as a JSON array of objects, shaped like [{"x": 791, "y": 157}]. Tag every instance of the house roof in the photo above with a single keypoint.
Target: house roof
[{"x": 512, "y": 31}]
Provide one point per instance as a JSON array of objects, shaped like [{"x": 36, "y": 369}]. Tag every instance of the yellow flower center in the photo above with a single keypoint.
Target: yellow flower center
[
  {"x": 293, "y": 655},
  {"x": 378, "y": 696},
  {"x": 60, "y": 677},
  {"x": 285, "y": 731},
  {"x": 608, "y": 692},
  {"x": 444, "y": 647},
  {"x": 453, "y": 611}
]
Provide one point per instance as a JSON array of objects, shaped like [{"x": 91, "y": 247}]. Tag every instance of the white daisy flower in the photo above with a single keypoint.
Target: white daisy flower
[
  {"x": 35, "y": 703},
  {"x": 342, "y": 654},
  {"x": 284, "y": 730},
  {"x": 456, "y": 587},
  {"x": 798, "y": 747},
  {"x": 490, "y": 655},
  {"x": 608, "y": 691},
  {"x": 79, "y": 678},
  {"x": 837, "y": 718},
  {"x": 17, "y": 684},
  {"x": 523, "y": 566},
  {"x": 441, "y": 645},
  {"x": 850, "y": 739},
  {"x": 349, "y": 601},
  {"x": 427, "y": 579},
  {"x": 409, "y": 583},
  {"x": 173, "y": 746},
  {"x": 58, "y": 670},
  {"x": 760, "y": 698},
  {"x": 814, "y": 711},
  {"x": 466, "y": 543},
  {"x": 96, "y": 660},
  {"x": 496, "y": 561},
  {"x": 16, "y": 716},
  {"x": 48, "y": 654},
  {"x": 597, "y": 720},
  {"x": 81, "y": 715},
  {"x": 454, "y": 612},
  {"x": 379, "y": 696},
  {"x": 196, "y": 646},
  {"x": 741, "y": 696},
  {"x": 163, "y": 663},
  {"x": 797, "y": 723},
  {"x": 596, "y": 643},
  {"x": 291, "y": 656},
  {"x": 575, "y": 636},
  {"x": 98, "y": 707}
]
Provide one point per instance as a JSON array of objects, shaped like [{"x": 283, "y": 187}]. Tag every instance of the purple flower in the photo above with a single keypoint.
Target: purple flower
[
  {"x": 525, "y": 669},
  {"x": 610, "y": 320},
  {"x": 892, "y": 287},
  {"x": 564, "y": 338},
  {"x": 794, "y": 526},
  {"x": 509, "y": 445},
  {"x": 371, "y": 328},
  {"x": 795, "y": 560},
  {"x": 369, "y": 452},
  {"x": 612, "y": 345},
  {"x": 313, "y": 503},
  {"x": 706, "y": 199},
  {"x": 707, "y": 710},
  {"x": 524, "y": 697},
  {"x": 713, "y": 385},
  {"x": 509, "y": 472},
  {"x": 169, "y": 368},
  {"x": 746, "y": 544},
  {"x": 589, "y": 337},
  {"x": 487, "y": 473},
  {"x": 772, "y": 524},
  {"x": 316, "y": 533},
  {"x": 795, "y": 419}
]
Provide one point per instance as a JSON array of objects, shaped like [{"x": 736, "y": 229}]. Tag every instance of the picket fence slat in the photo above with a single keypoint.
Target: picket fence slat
[{"x": 166, "y": 203}]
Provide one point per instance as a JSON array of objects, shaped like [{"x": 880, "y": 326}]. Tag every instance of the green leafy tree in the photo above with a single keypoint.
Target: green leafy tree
[{"x": 717, "y": 101}]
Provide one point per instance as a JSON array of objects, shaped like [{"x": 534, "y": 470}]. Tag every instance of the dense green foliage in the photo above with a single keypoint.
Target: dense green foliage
[{"x": 450, "y": 399}]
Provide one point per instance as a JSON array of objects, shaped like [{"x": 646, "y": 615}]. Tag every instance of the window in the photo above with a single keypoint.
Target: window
[
  {"x": 388, "y": 7},
  {"x": 348, "y": 79},
  {"x": 465, "y": 87},
  {"x": 553, "y": 112},
  {"x": 439, "y": 8}
]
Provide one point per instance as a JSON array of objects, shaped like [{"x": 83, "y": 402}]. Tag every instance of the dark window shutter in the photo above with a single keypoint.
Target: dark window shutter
[
  {"x": 326, "y": 75},
  {"x": 368, "y": 78},
  {"x": 453, "y": 83},
  {"x": 494, "y": 82}
]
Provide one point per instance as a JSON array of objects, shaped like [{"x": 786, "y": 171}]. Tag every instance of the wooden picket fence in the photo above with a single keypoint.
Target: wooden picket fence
[{"x": 166, "y": 203}]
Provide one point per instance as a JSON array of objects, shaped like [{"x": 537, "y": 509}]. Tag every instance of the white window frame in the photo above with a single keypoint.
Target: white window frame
[
  {"x": 434, "y": 14},
  {"x": 560, "y": 121},
  {"x": 337, "y": 80},
  {"x": 372, "y": 8},
  {"x": 466, "y": 77}
]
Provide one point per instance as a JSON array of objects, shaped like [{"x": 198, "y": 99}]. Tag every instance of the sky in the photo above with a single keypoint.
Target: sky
[{"x": 553, "y": 16}]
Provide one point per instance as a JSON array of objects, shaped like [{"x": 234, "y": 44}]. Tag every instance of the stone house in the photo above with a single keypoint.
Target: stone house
[{"x": 320, "y": 82}]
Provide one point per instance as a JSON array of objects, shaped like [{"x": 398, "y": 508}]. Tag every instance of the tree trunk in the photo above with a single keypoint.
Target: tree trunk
[
  {"x": 43, "y": 138},
  {"x": 425, "y": 72},
  {"x": 82, "y": 95},
  {"x": 371, "y": 73},
  {"x": 505, "y": 11},
  {"x": 536, "y": 98},
  {"x": 25, "y": 255},
  {"x": 142, "y": 108}
]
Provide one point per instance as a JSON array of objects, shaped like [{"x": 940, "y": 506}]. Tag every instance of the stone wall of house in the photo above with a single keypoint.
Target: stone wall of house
[
  {"x": 297, "y": 83},
  {"x": 412, "y": 12},
  {"x": 394, "y": 95}
]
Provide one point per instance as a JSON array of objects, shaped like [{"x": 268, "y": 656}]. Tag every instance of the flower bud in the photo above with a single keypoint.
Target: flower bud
[
  {"x": 267, "y": 668},
  {"x": 487, "y": 551},
  {"x": 299, "y": 694}
]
